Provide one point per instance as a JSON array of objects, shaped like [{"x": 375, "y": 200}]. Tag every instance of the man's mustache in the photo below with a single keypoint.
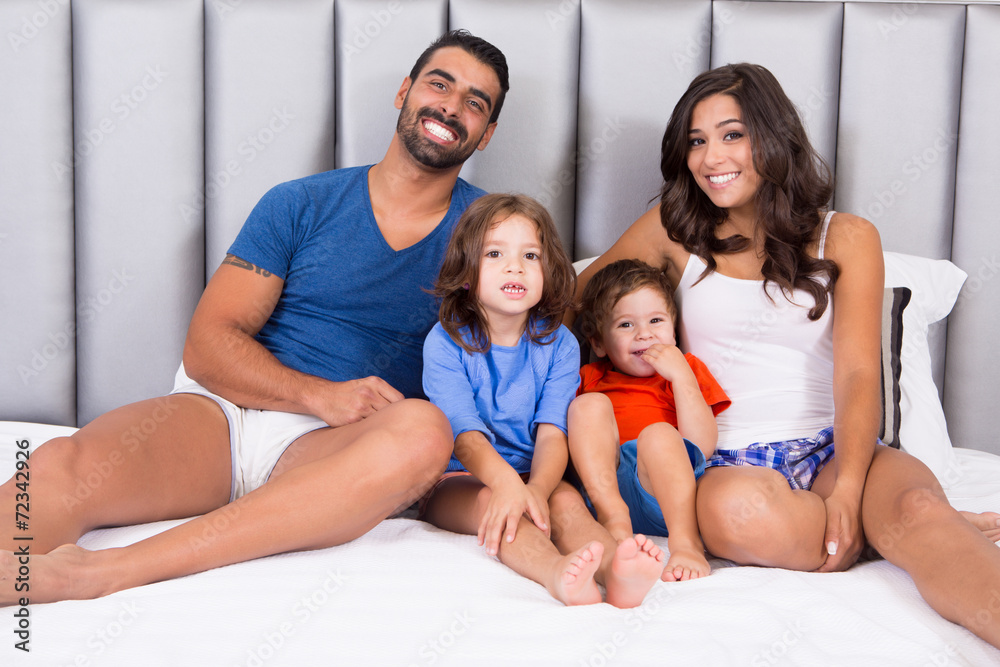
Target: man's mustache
[{"x": 452, "y": 124}]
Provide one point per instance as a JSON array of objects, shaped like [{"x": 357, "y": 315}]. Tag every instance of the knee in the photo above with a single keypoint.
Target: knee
[
  {"x": 59, "y": 460},
  {"x": 911, "y": 508},
  {"x": 916, "y": 505},
  {"x": 756, "y": 523},
  {"x": 586, "y": 407},
  {"x": 658, "y": 437},
  {"x": 425, "y": 433},
  {"x": 565, "y": 499}
]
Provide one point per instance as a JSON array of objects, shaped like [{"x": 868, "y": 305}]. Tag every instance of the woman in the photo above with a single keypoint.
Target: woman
[{"x": 758, "y": 264}]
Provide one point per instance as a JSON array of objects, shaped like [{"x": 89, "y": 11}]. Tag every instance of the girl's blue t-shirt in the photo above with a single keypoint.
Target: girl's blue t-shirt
[
  {"x": 351, "y": 306},
  {"x": 506, "y": 392}
]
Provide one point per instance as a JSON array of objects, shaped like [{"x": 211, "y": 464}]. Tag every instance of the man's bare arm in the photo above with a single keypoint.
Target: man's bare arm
[{"x": 221, "y": 353}]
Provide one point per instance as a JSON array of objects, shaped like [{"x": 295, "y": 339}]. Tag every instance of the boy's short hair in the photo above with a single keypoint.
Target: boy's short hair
[{"x": 610, "y": 285}]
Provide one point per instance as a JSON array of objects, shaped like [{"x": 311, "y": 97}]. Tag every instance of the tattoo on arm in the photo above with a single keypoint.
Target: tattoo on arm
[{"x": 243, "y": 264}]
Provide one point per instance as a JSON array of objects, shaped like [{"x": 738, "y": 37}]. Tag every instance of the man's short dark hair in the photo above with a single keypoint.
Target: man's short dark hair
[{"x": 478, "y": 48}]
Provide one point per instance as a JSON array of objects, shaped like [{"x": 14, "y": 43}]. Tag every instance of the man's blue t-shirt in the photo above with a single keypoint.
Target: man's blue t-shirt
[{"x": 351, "y": 306}]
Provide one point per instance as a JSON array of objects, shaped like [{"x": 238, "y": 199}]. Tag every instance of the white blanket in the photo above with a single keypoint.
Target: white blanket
[{"x": 409, "y": 594}]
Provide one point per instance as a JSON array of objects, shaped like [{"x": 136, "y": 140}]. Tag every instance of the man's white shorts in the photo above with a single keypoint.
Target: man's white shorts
[{"x": 257, "y": 438}]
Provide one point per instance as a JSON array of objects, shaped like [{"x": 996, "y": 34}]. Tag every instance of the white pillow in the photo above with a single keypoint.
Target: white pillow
[{"x": 935, "y": 284}]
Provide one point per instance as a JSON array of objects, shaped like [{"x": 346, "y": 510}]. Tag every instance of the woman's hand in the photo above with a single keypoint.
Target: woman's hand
[
  {"x": 509, "y": 501},
  {"x": 844, "y": 538}
]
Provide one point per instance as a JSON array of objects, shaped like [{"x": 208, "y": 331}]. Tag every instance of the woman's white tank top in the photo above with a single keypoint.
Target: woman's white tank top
[{"x": 774, "y": 362}]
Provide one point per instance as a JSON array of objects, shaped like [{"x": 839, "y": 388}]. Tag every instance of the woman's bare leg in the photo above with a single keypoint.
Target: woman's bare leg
[
  {"x": 907, "y": 518},
  {"x": 750, "y": 515},
  {"x": 342, "y": 483}
]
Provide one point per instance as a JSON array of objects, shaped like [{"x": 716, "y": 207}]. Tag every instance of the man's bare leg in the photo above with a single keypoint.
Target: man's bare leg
[
  {"x": 159, "y": 459},
  {"x": 365, "y": 471},
  {"x": 628, "y": 569}
]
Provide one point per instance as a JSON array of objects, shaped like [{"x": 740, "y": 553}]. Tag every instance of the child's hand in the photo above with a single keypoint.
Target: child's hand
[
  {"x": 507, "y": 504},
  {"x": 667, "y": 360}
]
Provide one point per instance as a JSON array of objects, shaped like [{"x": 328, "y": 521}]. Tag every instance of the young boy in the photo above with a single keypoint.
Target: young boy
[{"x": 657, "y": 401}]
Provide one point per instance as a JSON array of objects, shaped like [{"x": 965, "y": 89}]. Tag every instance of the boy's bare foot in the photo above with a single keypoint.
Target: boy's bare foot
[
  {"x": 987, "y": 522},
  {"x": 574, "y": 583},
  {"x": 65, "y": 573},
  {"x": 685, "y": 563},
  {"x": 636, "y": 566}
]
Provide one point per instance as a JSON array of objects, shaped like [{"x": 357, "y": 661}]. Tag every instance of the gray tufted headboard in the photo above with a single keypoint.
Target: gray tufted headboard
[{"x": 136, "y": 136}]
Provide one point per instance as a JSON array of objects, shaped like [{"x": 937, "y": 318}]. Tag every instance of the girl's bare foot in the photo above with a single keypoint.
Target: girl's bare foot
[
  {"x": 619, "y": 524},
  {"x": 686, "y": 562},
  {"x": 987, "y": 522},
  {"x": 65, "y": 573},
  {"x": 636, "y": 566},
  {"x": 574, "y": 583}
]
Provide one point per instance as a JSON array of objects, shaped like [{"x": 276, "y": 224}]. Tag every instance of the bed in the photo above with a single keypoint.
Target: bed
[{"x": 138, "y": 135}]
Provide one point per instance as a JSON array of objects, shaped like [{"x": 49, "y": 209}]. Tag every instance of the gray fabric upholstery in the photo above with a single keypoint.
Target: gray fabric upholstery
[
  {"x": 137, "y": 136},
  {"x": 973, "y": 356},
  {"x": 38, "y": 335}
]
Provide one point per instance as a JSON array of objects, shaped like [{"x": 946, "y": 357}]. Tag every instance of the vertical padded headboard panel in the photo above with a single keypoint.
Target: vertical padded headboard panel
[
  {"x": 899, "y": 104},
  {"x": 896, "y": 167},
  {"x": 624, "y": 105},
  {"x": 268, "y": 107},
  {"x": 377, "y": 45},
  {"x": 38, "y": 352},
  {"x": 531, "y": 151},
  {"x": 800, "y": 44},
  {"x": 973, "y": 356},
  {"x": 138, "y": 106}
]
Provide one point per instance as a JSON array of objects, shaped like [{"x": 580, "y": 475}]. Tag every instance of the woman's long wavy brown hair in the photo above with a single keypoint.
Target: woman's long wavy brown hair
[
  {"x": 795, "y": 183},
  {"x": 458, "y": 282}
]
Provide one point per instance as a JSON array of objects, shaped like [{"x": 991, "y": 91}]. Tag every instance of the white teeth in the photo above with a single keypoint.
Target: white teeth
[
  {"x": 440, "y": 132},
  {"x": 512, "y": 288},
  {"x": 725, "y": 178}
]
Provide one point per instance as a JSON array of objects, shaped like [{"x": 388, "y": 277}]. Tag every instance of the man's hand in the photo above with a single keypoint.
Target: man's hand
[{"x": 340, "y": 403}]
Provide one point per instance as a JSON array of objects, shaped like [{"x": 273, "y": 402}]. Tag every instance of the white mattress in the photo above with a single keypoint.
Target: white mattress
[{"x": 409, "y": 594}]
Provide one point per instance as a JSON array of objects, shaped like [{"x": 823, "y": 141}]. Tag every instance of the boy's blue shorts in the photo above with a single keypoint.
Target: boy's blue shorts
[{"x": 647, "y": 518}]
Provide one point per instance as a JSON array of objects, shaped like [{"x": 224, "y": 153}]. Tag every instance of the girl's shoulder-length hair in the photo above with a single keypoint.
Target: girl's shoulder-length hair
[
  {"x": 458, "y": 281},
  {"x": 795, "y": 184}
]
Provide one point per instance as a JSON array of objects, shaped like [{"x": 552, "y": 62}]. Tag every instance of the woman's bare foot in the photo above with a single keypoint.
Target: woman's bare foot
[
  {"x": 636, "y": 566},
  {"x": 574, "y": 583},
  {"x": 685, "y": 563},
  {"x": 65, "y": 573},
  {"x": 987, "y": 522}
]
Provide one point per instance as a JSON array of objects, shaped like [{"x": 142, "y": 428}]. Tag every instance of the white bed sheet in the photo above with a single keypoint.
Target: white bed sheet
[{"x": 409, "y": 594}]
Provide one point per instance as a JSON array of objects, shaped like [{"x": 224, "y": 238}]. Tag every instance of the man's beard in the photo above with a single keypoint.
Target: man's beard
[{"x": 428, "y": 153}]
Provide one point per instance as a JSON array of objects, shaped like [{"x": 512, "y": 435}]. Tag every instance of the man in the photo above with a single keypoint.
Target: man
[{"x": 294, "y": 422}]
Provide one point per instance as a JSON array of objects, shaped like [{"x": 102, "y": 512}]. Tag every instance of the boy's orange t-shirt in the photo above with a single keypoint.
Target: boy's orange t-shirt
[{"x": 639, "y": 402}]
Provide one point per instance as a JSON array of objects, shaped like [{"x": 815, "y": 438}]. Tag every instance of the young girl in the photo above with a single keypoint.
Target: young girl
[
  {"x": 797, "y": 480},
  {"x": 504, "y": 370}
]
